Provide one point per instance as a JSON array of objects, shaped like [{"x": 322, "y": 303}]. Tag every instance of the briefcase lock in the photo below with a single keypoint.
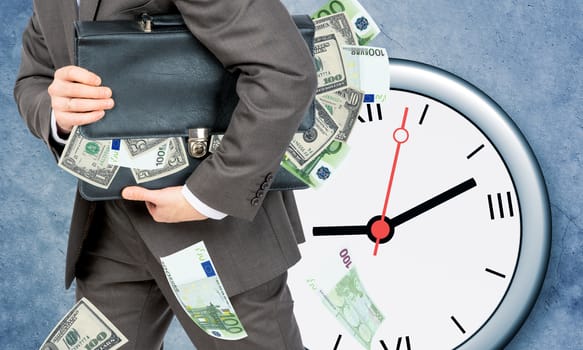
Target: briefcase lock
[
  {"x": 198, "y": 142},
  {"x": 146, "y": 22}
]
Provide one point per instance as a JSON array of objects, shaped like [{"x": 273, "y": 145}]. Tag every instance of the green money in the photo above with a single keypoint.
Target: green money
[
  {"x": 344, "y": 106},
  {"x": 353, "y": 308},
  {"x": 363, "y": 25},
  {"x": 305, "y": 146},
  {"x": 88, "y": 160},
  {"x": 196, "y": 284},
  {"x": 84, "y": 327},
  {"x": 322, "y": 168}
]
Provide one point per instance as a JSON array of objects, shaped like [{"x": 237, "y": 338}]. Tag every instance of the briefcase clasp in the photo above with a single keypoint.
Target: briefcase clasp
[
  {"x": 198, "y": 142},
  {"x": 146, "y": 22}
]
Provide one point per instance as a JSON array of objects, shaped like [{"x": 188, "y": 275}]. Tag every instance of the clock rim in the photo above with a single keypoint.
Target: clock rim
[{"x": 510, "y": 143}]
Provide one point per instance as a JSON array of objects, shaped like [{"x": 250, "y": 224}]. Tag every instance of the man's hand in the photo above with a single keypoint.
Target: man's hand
[
  {"x": 77, "y": 98},
  {"x": 165, "y": 205}
]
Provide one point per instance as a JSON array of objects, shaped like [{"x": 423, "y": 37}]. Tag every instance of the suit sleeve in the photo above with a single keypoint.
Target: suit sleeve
[
  {"x": 276, "y": 85},
  {"x": 33, "y": 79}
]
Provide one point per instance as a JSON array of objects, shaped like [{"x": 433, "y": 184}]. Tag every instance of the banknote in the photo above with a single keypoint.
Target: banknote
[
  {"x": 176, "y": 160},
  {"x": 215, "y": 142},
  {"x": 337, "y": 24},
  {"x": 198, "y": 288},
  {"x": 344, "y": 295},
  {"x": 304, "y": 147},
  {"x": 138, "y": 146},
  {"x": 362, "y": 23},
  {"x": 322, "y": 168},
  {"x": 367, "y": 69},
  {"x": 88, "y": 160},
  {"x": 329, "y": 64},
  {"x": 121, "y": 154},
  {"x": 344, "y": 105},
  {"x": 353, "y": 307},
  {"x": 84, "y": 327}
]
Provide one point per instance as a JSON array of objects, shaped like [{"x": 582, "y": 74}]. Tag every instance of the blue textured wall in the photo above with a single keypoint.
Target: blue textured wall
[{"x": 527, "y": 55}]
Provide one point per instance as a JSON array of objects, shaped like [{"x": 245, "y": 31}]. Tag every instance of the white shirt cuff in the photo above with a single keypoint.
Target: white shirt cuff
[
  {"x": 54, "y": 130},
  {"x": 200, "y": 206}
]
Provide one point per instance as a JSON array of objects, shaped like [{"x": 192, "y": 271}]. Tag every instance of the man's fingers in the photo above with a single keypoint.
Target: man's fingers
[
  {"x": 79, "y": 90},
  {"x": 67, "y": 120},
  {"x": 77, "y": 74},
  {"x": 137, "y": 193},
  {"x": 67, "y": 104}
]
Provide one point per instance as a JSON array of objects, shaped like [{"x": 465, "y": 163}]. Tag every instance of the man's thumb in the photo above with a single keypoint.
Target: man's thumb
[{"x": 137, "y": 193}]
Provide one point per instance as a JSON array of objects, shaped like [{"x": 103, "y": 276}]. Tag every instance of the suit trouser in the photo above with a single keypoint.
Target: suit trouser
[{"x": 119, "y": 274}]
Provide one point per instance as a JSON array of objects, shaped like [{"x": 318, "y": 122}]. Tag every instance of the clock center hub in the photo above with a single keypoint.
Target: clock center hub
[{"x": 379, "y": 228}]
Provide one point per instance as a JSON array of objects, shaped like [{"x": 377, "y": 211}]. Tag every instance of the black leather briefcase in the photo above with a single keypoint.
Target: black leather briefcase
[{"x": 166, "y": 84}]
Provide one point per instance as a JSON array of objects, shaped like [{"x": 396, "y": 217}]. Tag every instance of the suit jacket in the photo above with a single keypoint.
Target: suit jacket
[{"x": 258, "y": 240}]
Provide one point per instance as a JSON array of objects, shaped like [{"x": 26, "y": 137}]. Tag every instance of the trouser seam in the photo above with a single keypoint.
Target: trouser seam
[{"x": 142, "y": 313}]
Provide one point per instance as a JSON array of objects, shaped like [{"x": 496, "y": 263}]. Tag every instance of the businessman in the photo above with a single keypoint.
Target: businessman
[{"x": 252, "y": 234}]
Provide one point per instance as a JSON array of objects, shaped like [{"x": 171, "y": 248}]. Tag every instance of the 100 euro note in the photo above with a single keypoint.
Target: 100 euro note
[
  {"x": 198, "y": 288},
  {"x": 362, "y": 22},
  {"x": 344, "y": 295},
  {"x": 84, "y": 327},
  {"x": 367, "y": 69}
]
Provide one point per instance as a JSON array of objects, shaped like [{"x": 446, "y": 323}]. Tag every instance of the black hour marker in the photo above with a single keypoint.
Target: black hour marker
[
  {"x": 337, "y": 341},
  {"x": 423, "y": 115},
  {"x": 509, "y": 199},
  {"x": 458, "y": 325},
  {"x": 501, "y": 203},
  {"x": 407, "y": 342},
  {"x": 369, "y": 110},
  {"x": 475, "y": 151},
  {"x": 495, "y": 273},
  {"x": 379, "y": 112}
]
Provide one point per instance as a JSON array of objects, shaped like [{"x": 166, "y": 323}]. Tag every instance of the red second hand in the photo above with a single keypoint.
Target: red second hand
[{"x": 380, "y": 229}]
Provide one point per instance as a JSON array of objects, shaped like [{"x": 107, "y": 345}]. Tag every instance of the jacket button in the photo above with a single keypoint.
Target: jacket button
[
  {"x": 259, "y": 193},
  {"x": 269, "y": 178},
  {"x": 264, "y": 185},
  {"x": 255, "y": 201}
]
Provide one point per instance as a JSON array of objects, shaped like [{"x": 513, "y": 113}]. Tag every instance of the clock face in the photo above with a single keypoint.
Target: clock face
[{"x": 415, "y": 242}]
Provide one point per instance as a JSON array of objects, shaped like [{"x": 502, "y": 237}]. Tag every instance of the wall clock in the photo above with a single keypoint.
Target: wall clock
[{"x": 435, "y": 231}]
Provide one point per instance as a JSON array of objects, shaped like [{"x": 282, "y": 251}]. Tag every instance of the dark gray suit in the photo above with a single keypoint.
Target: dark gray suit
[{"x": 257, "y": 242}]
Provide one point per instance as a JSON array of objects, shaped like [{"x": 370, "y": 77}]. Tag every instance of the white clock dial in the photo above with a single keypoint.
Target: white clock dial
[{"x": 436, "y": 269}]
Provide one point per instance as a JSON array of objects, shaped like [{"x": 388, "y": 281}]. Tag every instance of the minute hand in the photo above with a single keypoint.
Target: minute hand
[
  {"x": 401, "y": 218},
  {"x": 433, "y": 202}
]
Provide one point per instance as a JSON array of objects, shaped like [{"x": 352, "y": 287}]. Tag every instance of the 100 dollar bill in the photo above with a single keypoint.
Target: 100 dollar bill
[{"x": 84, "y": 327}]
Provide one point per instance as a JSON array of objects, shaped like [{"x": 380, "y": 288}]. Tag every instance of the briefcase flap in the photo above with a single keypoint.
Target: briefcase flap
[{"x": 164, "y": 82}]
